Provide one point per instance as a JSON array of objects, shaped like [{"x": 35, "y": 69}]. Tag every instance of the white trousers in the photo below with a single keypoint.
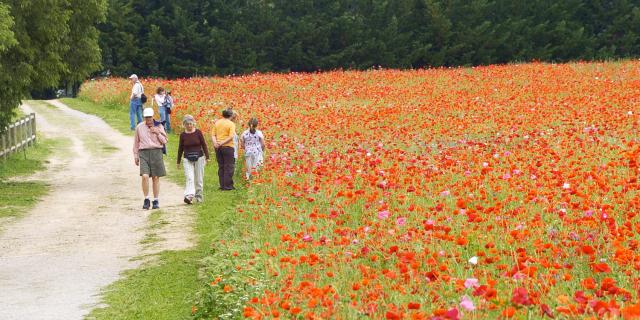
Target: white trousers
[
  {"x": 252, "y": 161},
  {"x": 194, "y": 176}
]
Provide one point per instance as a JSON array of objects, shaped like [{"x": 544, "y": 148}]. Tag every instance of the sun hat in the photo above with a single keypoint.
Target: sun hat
[
  {"x": 133, "y": 76},
  {"x": 147, "y": 112}
]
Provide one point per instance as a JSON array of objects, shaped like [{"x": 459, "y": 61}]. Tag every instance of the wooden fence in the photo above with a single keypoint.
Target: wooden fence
[{"x": 18, "y": 136}]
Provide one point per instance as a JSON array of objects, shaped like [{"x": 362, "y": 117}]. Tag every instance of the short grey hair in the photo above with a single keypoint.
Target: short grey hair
[{"x": 188, "y": 119}]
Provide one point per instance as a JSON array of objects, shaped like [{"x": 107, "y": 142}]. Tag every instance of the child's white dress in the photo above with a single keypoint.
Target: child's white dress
[{"x": 253, "y": 150}]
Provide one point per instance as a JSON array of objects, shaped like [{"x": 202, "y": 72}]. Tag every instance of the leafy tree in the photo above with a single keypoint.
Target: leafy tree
[
  {"x": 7, "y": 38},
  {"x": 83, "y": 55},
  {"x": 119, "y": 38},
  {"x": 7, "y": 41},
  {"x": 43, "y": 42},
  {"x": 35, "y": 60}
]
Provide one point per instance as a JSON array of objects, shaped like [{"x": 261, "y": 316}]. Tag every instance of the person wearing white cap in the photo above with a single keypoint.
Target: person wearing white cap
[
  {"x": 147, "y": 152},
  {"x": 135, "y": 101}
]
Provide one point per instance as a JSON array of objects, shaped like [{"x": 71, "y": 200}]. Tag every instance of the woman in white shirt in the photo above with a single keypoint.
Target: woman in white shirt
[{"x": 160, "y": 99}]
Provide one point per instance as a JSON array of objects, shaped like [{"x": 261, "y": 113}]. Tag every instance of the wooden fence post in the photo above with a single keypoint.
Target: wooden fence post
[
  {"x": 23, "y": 136},
  {"x": 4, "y": 146},
  {"x": 12, "y": 142},
  {"x": 33, "y": 127},
  {"x": 18, "y": 136}
]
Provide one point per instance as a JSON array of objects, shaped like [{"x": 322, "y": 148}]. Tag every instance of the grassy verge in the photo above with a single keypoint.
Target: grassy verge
[
  {"x": 117, "y": 116},
  {"x": 17, "y": 196},
  {"x": 167, "y": 288}
]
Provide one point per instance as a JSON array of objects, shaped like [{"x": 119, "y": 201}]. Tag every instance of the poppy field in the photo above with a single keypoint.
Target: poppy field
[{"x": 454, "y": 193}]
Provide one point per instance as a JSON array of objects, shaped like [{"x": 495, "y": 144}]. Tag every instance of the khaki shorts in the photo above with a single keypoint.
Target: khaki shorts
[{"x": 151, "y": 163}]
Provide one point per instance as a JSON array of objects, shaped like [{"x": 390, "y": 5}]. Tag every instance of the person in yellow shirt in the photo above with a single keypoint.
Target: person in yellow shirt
[{"x": 222, "y": 136}]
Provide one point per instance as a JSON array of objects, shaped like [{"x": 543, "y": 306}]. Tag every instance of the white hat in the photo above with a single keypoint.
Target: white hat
[
  {"x": 133, "y": 76},
  {"x": 147, "y": 112}
]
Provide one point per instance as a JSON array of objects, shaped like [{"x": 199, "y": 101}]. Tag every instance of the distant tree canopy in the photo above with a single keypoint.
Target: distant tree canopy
[
  {"x": 44, "y": 43},
  {"x": 179, "y": 38}
]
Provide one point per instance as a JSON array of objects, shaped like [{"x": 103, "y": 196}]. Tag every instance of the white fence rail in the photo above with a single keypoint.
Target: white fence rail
[{"x": 18, "y": 136}]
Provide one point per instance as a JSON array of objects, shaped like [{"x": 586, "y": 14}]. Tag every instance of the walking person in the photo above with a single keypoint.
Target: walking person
[
  {"x": 222, "y": 135},
  {"x": 252, "y": 141},
  {"x": 147, "y": 151},
  {"x": 163, "y": 102},
  {"x": 168, "y": 107},
  {"x": 135, "y": 102},
  {"x": 196, "y": 155},
  {"x": 235, "y": 118}
]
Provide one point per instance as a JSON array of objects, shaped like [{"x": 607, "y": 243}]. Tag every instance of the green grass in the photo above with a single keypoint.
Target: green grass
[
  {"x": 117, "y": 116},
  {"x": 162, "y": 291},
  {"x": 16, "y": 196},
  {"x": 168, "y": 287},
  {"x": 94, "y": 144}
]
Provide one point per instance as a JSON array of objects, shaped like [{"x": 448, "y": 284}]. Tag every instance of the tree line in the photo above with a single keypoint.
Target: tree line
[
  {"x": 181, "y": 38},
  {"x": 46, "y": 44}
]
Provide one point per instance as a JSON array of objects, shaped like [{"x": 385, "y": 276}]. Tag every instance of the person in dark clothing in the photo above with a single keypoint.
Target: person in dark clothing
[{"x": 196, "y": 155}]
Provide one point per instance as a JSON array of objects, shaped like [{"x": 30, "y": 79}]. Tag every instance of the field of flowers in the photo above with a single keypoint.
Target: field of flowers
[{"x": 488, "y": 192}]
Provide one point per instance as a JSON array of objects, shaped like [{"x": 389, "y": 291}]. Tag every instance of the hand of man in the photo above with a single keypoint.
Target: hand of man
[
  {"x": 177, "y": 166},
  {"x": 137, "y": 161}
]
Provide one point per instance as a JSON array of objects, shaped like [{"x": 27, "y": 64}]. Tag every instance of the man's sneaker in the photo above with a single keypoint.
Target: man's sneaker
[
  {"x": 147, "y": 204},
  {"x": 187, "y": 200},
  {"x": 156, "y": 205}
]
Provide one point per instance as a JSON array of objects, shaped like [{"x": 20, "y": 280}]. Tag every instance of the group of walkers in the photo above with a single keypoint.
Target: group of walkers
[{"x": 193, "y": 151}]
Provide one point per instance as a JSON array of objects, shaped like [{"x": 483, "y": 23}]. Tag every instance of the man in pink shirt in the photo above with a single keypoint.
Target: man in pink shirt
[{"x": 147, "y": 152}]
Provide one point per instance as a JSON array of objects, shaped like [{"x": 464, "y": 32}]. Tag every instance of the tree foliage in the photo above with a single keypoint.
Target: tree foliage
[
  {"x": 179, "y": 38},
  {"x": 83, "y": 55},
  {"x": 7, "y": 41},
  {"x": 44, "y": 42}
]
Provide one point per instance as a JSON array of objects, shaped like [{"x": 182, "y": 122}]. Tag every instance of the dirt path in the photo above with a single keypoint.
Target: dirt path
[{"x": 55, "y": 260}]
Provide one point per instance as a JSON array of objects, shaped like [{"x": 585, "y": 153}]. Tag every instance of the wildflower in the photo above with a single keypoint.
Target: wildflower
[
  {"x": 471, "y": 283},
  {"x": 467, "y": 304}
]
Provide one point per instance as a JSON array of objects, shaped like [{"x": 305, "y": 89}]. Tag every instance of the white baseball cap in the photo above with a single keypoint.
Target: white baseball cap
[
  {"x": 133, "y": 76},
  {"x": 147, "y": 112}
]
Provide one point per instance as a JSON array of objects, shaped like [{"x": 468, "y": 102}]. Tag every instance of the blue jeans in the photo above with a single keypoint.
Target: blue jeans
[
  {"x": 135, "y": 110},
  {"x": 166, "y": 118}
]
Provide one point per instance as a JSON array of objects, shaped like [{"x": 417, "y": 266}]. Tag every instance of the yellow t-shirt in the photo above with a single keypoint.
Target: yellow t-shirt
[{"x": 223, "y": 129}]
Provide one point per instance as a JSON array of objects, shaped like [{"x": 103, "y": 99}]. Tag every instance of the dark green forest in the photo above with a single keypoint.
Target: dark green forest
[
  {"x": 181, "y": 38},
  {"x": 51, "y": 44}
]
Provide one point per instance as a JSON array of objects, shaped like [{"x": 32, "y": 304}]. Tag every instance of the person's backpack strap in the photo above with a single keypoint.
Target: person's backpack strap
[{"x": 157, "y": 124}]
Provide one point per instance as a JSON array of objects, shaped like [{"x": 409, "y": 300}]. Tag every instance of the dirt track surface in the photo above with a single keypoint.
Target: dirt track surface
[{"x": 56, "y": 258}]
